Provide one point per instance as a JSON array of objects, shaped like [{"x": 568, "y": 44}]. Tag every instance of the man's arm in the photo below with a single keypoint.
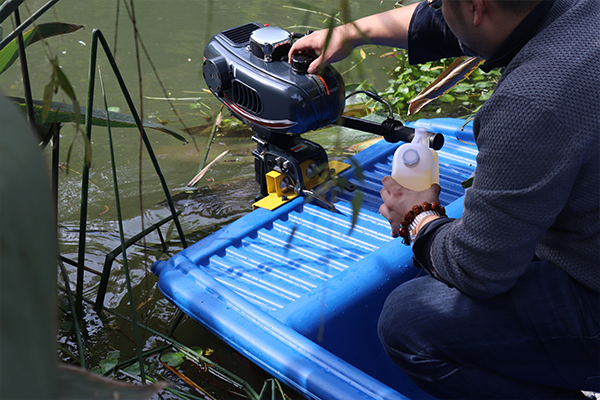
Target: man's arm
[{"x": 389, "y": 28}]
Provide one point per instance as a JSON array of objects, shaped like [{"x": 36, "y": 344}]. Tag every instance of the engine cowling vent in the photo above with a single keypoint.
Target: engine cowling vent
[
  {"x": 240, "y": 35},
  {"x": 247, "y": 98}
]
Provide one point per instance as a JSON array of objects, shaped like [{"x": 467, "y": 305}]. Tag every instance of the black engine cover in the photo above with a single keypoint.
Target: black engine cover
[{"x": 266, "y": 93}]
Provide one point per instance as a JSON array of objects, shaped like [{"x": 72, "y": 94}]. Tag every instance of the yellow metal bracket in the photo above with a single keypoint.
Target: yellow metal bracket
[{"x": 279, "y": 196}]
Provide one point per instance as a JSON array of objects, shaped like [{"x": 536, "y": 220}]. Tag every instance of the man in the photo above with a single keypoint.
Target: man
[{"x": 511, "y": 306}]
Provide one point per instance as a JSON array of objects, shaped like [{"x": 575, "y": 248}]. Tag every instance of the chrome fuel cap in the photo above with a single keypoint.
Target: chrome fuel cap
[{"x": 270, "y": 43}]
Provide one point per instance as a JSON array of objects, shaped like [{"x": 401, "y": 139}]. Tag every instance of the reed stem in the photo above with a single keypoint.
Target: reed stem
[{"x": 138, "y": 341}]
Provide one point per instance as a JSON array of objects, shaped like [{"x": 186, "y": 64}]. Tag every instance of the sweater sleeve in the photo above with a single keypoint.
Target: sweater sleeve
[
  {"x": 429, "y": 37},
  {"x": 522, "y": 182}
]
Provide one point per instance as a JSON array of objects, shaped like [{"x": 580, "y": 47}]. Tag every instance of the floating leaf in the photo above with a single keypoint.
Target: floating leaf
[
  {"x": 447, "y": 98},
  {"x": 172, "y": 359},
  {"x": 66, "y": 325},
  {"x": 134, "y": 369},
  {"x": 10, "y": 52},
  {"x": 107, "y": 364}
]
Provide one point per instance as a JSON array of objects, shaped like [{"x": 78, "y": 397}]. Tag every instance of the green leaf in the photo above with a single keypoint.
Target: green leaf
[
  {"x": 134, "y": 369},
  {"x": 96, "y": 370},
  {"x": 63, "y": 82},
  {"x": 111, "y": 360},
  {"x": 62, "y": 112},
  {"x": 66, "y": 325},
  {"x": 28, "y": 338},
  {"x": 10, "y": 52},
  {"x": 483, "y": 85},
  {"x": 468, "y": 183},
  {"x": 356, "y": 203},
  {"x": 47, "y": 100},
  {"x": 108, "y": 364},
  {"x": 172, "y": 359},
  {"x": 447, "y": 98}
]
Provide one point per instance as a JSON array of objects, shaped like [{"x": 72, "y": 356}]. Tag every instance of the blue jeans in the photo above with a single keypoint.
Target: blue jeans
[{"x": 539, "y": 340}]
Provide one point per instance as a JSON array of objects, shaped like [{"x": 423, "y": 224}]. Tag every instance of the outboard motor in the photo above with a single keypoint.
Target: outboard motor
[{"x": 247, "y": 69}]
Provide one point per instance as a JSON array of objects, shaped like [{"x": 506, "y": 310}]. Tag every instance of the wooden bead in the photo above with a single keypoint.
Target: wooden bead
[
  {"x": 416, "y": 209},
  {"x": 435, "y": 206},
  {"x": 409, "y": 215},
  {"x": 425, "y": 206},
  {"x": 404, "y": 222},
  {"x": 403, "y": 232}
]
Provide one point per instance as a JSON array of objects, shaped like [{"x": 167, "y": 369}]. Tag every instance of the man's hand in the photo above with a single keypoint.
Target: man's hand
[
  {"x": 389, "y": 28},
  {"x": 339, "y": 46},
  {"x": 397, "y": 200}
]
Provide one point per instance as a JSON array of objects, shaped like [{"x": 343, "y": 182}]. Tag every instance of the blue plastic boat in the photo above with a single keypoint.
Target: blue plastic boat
[{"x": 298, "y": 292}]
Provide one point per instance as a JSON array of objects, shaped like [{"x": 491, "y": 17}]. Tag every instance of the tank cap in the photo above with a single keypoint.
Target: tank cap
[
  {"x": 301, "y": 62},
  {"x": 410, "y": 157}
]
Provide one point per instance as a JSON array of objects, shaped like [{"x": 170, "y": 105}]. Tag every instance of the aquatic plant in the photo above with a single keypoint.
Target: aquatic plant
[{"x": 410, "y": 80}]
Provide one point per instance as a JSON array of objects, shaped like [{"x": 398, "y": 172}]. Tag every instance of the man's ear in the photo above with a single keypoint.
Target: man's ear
[{"x": 478, "y": 8}]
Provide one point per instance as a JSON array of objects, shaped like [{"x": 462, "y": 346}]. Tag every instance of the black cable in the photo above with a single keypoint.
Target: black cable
[{"x": 375, "y": 97}]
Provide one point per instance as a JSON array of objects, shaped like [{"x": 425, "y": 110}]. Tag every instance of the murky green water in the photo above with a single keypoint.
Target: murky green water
[{"x": 174, "y": 33}]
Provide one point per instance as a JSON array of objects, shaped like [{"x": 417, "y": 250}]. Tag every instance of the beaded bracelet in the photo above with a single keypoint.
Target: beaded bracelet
[{"x": 406, "y": 223}]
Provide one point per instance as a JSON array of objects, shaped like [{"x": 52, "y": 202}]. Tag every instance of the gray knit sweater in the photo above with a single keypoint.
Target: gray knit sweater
[{"x": 536, "y": 187}]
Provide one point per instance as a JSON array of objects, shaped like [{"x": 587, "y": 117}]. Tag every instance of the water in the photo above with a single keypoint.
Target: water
[{"x": 174, "y": 33}]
